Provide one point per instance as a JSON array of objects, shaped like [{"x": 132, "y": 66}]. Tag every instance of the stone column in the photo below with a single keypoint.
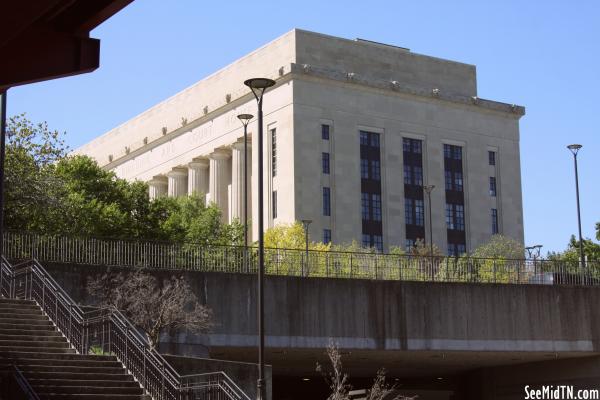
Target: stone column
[
  {"x": 157, "y": 187},
  {"x": 237, "y": 180},
  {"x": 218, "y": 180},
  {"x": 198, "y": 177},
  {"x": 177, "y": 182}
]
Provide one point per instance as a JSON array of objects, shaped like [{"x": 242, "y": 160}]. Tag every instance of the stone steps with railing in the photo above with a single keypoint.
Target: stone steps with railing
[
  {"x": 47, "y": 339},
  {"x": 39, "y": 354}
]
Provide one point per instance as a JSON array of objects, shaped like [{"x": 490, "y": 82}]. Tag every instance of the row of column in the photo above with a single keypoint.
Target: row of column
[{"x": 221, "y": 180}]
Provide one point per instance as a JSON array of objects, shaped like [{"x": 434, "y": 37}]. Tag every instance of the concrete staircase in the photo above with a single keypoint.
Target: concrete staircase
[{"x": 29, "y": 340}]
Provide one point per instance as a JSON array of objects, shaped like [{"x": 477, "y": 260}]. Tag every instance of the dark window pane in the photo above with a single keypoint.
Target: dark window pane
[
  {"x": 274, "y": 152},
  {"x": 376, "y": 207},
  {"x": 494, "y": 221},
  {"x": 325, "y": 132},
  {"x": 407, "y": 175},
  {"x": 492, "y": 157},
  {"x": 325, "y": 161},
  {"x": 365, "y": 206},
  {"x": 364, "y": 168},
  {"x": 364, "y": 138},
  {"x": 419, "y": 213},
  {"x": 326, "y": 236},
  {"x": 326, "y": 202},
  {"x": 408, "y": 211},
  {"x": 274, "y": 204},
  {"x": 375, "y": 170},
  {"x": 458, "y": 181},
  {"x": 492, "y": 186}
]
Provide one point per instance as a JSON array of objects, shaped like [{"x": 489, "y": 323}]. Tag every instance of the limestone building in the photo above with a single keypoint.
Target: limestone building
[{"x": 354, "y": 129}]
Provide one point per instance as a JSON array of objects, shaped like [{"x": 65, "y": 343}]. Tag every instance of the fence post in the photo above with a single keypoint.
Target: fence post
[
  {"x": 350, "y": 265},
  {"x": 494, "y": 266}
]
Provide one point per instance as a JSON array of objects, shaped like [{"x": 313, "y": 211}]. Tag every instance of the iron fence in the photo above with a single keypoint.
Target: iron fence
[
  {"x": 106, "y": 330},
  {"x": 296, "y": 262}
]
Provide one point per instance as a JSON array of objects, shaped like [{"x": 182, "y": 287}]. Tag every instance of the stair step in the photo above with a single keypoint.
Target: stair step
[
  {"x": 33, "y": 349},
  {"x": 25, "y": 321},
  {"x": 71, "y": 369},
  {"x": 102, "y": 388},
  {"x": 47, "y": 396},
  {"x": 32, "y": 337},
  {"x": 54, "y": 363},
  {"x": 75, "y": 376},
  {"x": 7, "y": 310},
  {"x": 33, "y": 343},
  {"x": 36, "y": 354},
  {"x": 31, "y": 332},
  {"x": 92, "y": 381},
  {"x": 4, "y": 300},
  {"x": 38, "y": 329}
]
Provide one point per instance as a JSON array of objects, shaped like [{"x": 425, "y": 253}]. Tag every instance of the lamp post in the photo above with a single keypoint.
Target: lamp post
[
  {"x": 258, "y": 87},
  {"x": 305, "y": 224},
  {"x": 575, "y": 149},
  {"x": 2, "y": 155},
  {"x": 428, "y": 189},
  {"x": 534, "y": 252},
  {"x": 245, "y": 119}
]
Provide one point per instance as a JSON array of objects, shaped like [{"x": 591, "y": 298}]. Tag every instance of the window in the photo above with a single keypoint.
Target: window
[
  {"x": 419, "y": 213},
  {"x": 326, "y": 202},
  {"x": 325, "y": 162},
  {"x": 326, "y": 236},
  {"x": 407, "y": 175},
  {"x": 375, "y": 170},
  {"x": 494, "y": 221},
  {"x": 455, "y": 217},
  {"x": 456, "y": 250},
  {"x": 364, "y": 138},
  {"x": 408, "y": 211},
  {"x": 274, "y": 204},
  {"x": 365, "y": 206},
  {"x": 409, "y": 244},
  {"x": 452, "y": 152},
  {"x": 458, "y": 181},
  {"x": 378, "y": 242},
  {"x": 492, "y": 157},
  {"x": 448, "y": 179},
  {"x": 325, "y": 132},
  {"x": 412, "y": 146},
  {"x": 418, "y": 176},
  {"x": 492, "y": 186},
  {"x": 366, "y": 240},
  {"x": 459, "y": 217},
  {"x": 274, "y": 152},
  {"x": 376, "y": 207},
  {"x": 364, "y": 168}
]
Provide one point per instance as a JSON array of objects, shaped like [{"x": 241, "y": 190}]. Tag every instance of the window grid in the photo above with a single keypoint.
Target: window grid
[
  {"x": 326, "y": 202},
  {"x": 274, "y": 152},
  {"x": 408, "y": 211},
  {"x": 492, "y": 186},
  {"x": 325, "y": 132},
  {"x": 326, "y": 236},
  {"x": 375, "y": 170},
  {"x": 325, "y": 163},
  {"x": 365, "y": 206},
  {"x": 274, "y": 204},
  {"x": 364, "y": 168},
  {"x": 419, "y": 213},
  {"x": 494, "y": 221},
  {"x": 376, "y": 207},
  {"x": 492, "y": 157},
  {"x": 452, "y": 152},
  {"x": 455, "y": 217}
]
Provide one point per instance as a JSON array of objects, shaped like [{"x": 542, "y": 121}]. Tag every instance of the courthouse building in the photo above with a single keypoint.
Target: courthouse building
[{"x": 353, "y": 131}]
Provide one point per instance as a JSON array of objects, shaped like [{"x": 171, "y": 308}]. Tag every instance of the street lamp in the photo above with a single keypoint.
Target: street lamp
[
  {"x": 534, "y": 251},
  {"x": 575, "y": 149},
  {"x": 258, "y": 87},
  {"x": 305, "y": 224},
  {"x": 245, "y": 119},
  {"x": 428, "y": 189},
  {"x": 2, "y": 155}
]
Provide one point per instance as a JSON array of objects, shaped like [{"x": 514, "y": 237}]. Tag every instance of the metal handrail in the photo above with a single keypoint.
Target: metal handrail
[
  {"x": 294, "y": 262},
  {"x": 108, "y": 329},
  {"x": 24, "y": 384}
]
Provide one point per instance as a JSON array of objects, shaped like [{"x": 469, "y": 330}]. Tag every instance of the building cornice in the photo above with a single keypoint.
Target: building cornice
[{"x": 400, "y": 87}]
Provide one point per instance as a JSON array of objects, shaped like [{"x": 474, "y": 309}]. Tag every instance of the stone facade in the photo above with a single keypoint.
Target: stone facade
[{"x": 193, "y": 142}]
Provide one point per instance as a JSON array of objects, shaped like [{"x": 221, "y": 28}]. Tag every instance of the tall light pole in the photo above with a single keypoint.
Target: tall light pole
[
  {"x": 245, "y": 119},
  {"x": 575, "y": 149},
  {"x": 258, "y": 87},
  {"x": 305, "y": 224},
  {"x": 2, "y": 155},
  {"x": 428, "y": 189}
]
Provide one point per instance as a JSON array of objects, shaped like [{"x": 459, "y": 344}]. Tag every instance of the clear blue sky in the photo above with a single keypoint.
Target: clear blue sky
[{"x": 543, "y": 55}]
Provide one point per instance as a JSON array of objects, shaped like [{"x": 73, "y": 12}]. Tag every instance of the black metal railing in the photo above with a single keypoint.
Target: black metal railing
[
  {"x": 296, "y": 262},
  {"x": 106, "y": 330}
]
